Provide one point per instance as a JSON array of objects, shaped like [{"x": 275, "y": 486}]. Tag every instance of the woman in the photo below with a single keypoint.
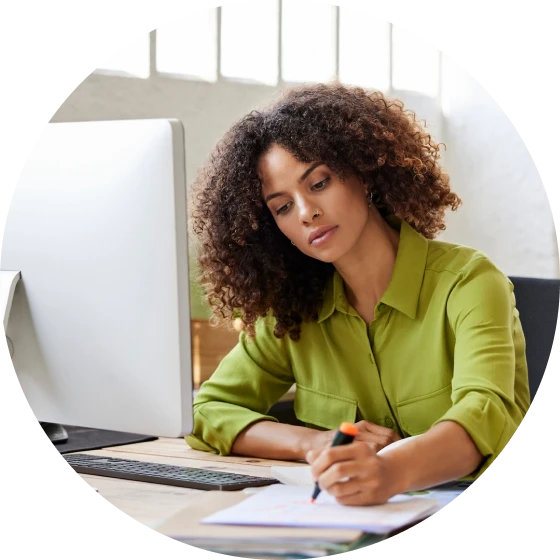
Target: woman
[{"x": 316, "y": 220}]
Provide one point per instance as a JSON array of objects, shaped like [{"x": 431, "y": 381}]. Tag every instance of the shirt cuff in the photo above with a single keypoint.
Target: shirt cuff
[
  {"x": 216, "y": 430},
  {"x": 485, "y": 422}
]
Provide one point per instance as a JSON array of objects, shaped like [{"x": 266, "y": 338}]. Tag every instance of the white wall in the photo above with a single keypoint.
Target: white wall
[
  {"x": 505, "y": 211},
  {"x": 205, "y": 109}
]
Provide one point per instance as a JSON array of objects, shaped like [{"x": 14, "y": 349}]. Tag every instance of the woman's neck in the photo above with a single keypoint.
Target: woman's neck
[{"x": 368, "y": 268}]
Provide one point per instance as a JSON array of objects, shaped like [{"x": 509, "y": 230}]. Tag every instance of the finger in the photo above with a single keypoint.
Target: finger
[
  {"x": 378, "y": 435},
  {"x": 331, "y": 455},
  {"x": 312, "y": 455},
  {"x": 381, "y": 431},
  {"x": 375, "y": 443},
  {"x": 361, "y": 498},
  {"x": 356, "y": 488},
  {"x": 372, "y": 437},
  {"x": 354, "y": 450},
  {"x": 342, "y": 479},
  {"x": 348, "y": 491},
  {"x": 375, "y": 447}
]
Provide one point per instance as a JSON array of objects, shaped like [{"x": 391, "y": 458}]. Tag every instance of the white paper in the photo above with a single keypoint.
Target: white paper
[
  {"x": 291, "y": 506},
  {"x": 293, "y": 476},
  {"x": 301, "y": 476}
]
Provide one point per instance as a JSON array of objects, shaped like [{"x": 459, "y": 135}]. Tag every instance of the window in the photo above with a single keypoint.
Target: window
[
  {"x": 189, "y": 47},
  {"x": 131, "y": 59},
  {"x": 249, "y": 41},
  {"x": 364, "y": 47},
  {"x": 267, "y": 41},
  {"x": 308, "y": 41}
]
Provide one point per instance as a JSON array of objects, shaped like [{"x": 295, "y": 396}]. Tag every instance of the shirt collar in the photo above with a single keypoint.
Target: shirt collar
[{"x": 404, "y": 288}]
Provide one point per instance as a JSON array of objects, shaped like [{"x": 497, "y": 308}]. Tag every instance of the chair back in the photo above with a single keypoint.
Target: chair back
[{"x": 537, "y": 302}]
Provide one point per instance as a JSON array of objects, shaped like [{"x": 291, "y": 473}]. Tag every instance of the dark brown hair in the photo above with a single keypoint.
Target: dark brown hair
[{"x": 249, "y": 268}]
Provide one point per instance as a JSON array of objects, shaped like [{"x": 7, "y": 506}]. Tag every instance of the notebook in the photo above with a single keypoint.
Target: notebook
[
  {"x": 291, "y": 506},
  {"x": 249, "y": 541}
]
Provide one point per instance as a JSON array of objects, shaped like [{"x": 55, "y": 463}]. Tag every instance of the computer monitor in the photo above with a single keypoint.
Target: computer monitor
[{"x": 99, "y": 326}]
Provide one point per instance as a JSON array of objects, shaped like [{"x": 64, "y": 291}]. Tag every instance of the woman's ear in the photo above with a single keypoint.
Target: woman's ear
[{"x": 366, "y": 189}]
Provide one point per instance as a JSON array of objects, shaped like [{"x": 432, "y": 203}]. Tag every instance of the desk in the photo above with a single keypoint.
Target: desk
[
  {"x": 152, "y": 504},
  {"x": 149, "y": 504}
]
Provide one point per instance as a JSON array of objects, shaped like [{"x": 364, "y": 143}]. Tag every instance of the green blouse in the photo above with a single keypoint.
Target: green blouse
[{"x": 445, "y": 344}]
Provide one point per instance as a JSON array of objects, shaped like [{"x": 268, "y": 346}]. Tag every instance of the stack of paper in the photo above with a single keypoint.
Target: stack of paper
[
  {"x": 293, "y": 476},
  {"x": 281, "y": 522},
  {"x": 248, "y": 541},
  {"x": 291, "y": 506}
]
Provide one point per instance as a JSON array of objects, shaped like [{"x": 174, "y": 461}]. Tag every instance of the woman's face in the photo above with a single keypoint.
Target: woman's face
[{"x": 321, "y": 214}]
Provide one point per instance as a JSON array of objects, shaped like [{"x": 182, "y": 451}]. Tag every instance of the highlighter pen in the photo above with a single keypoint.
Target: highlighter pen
[{"x": 344, "y": 435}]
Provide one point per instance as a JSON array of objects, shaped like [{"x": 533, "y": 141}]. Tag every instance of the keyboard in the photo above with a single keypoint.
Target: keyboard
[{"x": 159, "y": 473}]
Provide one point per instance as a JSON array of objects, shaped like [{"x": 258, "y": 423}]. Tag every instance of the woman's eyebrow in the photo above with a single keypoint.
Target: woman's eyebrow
[
  {"x": 273, "y": 195},
  {"x": 302, "y": 178},
  {"x": 305, "y": 175}
]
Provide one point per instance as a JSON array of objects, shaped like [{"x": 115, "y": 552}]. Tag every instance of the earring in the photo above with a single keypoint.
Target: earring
[
  {"x": 292, "y": 242},
  {"x": 369, "y": 198},
  {"x": 316, "y": 215}
]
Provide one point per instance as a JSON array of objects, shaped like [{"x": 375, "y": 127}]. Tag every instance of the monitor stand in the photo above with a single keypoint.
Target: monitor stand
[
  {"x": 70, "y": 439},
  {"x": 55, "y": 432}
]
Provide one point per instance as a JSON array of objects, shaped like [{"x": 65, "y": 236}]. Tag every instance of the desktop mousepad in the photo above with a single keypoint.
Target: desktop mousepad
[{"x": 85, "y": 439}]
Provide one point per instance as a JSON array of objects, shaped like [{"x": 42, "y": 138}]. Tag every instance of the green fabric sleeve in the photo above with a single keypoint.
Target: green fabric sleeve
[
  {"x": 248, "y": 381},
  {"x": 482, "y": 315}
]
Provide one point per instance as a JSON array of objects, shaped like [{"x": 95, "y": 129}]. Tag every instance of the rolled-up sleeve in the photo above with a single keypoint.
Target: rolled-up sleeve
[
  {"x": 248, "y": 381},
  {"x": 489, "y": 359}
]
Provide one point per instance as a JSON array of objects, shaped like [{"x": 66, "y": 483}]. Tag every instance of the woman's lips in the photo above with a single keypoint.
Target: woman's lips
[{"x": 322, "y": 235}]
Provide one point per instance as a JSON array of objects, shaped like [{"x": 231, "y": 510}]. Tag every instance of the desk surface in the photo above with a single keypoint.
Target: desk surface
[{"x": 152, "y": 504}]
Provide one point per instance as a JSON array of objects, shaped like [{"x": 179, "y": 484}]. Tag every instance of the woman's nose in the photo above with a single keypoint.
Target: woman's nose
[{"x": 308, "y": 211}]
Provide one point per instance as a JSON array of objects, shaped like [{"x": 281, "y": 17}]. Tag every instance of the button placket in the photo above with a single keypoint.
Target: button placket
[
  {"x": 372, "y": 408},
  {"x": 371, "y": 335}
]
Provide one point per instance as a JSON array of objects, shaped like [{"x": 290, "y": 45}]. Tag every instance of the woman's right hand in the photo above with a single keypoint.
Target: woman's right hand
[{"x": 377, "y": 437}]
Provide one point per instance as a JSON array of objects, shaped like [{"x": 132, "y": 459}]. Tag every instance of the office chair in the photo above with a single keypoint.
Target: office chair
[{"x": 537, "y": 303}]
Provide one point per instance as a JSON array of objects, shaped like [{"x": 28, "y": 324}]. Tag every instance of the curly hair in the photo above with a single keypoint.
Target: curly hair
[{"x": 249, "y": 268}]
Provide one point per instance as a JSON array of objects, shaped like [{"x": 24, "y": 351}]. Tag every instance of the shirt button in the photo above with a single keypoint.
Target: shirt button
[{"x": 388, "y": 422}]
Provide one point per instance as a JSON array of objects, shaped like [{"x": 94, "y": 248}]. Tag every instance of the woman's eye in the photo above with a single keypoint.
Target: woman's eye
[
  {"x": 282, "y": 209},
  {"x": 321, "y": 184}
]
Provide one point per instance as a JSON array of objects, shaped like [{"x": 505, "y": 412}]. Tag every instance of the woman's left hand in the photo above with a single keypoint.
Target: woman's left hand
[{"x": 354, "y": 474}]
